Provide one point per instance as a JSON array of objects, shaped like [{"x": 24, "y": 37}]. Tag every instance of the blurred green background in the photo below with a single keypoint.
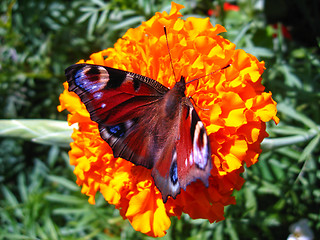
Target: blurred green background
[{"x": 39, "y": 39}]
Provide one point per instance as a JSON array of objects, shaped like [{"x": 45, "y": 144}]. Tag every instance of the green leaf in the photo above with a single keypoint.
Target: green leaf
[
  {"x": 231, "y": 230},
  {"x": 259, "y": 51},
  {"x": 66, "y": 199},
  {"x": 242, "y": 33},
  {"x": 64, "y": 182},
  {"x": 84, "y": 17},
  {"x": 291, "y": 112},
  {"x": 251, "y": 201},
  {"x": 22, "y": 187},
  {"x": 99, "y": 3},
  {"x": 269, "y": 188},
  {"x": 218, "y": 233},
  {"x": 128, "y": 23},
  {"x": 9, "y": 196},
  {"x": 88, "y": 9},
  {"x": 287, "y": 130},
  {"x": 51, "y": 229},
  {"x": 311, "y": 147},
  {"x": 102, "y": 18},
  {"x": 289, "y": 152},
  {"x": 291, "y": 79},
  {"x": 14, "y": 236},
  {"x": 92, "y": 23},
  {"x": 70, "y": 211},
  {"x": 50, "y": 132},
  {"x": 273, "y": 143}
]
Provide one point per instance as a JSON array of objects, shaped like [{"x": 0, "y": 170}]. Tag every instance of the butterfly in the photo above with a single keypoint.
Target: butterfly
[{"x": 146, "y": 123}]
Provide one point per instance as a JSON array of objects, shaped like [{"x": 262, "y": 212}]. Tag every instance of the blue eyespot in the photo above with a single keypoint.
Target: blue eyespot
[
  {"x": 117, "y": 130},
  {"x": 86, "y": 80},
  {"x": 174, "y": 173}
]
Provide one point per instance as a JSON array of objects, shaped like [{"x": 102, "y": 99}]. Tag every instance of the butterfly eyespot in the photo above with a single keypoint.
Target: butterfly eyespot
[
  {"x": 116, "y": 130},
  {"x": 174, "y": 169},
  {"x": 99, "y": 78},
  {"x": 174, "y": 173},
  {"x": 200, "y": 143}
]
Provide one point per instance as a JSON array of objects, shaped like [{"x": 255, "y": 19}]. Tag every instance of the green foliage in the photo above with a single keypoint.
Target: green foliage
[
  {"x": 39, "y": 203},
  {"x": 39, "y": 39},
  {"x": 49, "y": 132}
]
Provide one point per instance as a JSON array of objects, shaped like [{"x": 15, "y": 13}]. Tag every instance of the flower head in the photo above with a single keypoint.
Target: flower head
[
  {"x": 231, "y": 103},
  {"x": 300, "y": 231}
]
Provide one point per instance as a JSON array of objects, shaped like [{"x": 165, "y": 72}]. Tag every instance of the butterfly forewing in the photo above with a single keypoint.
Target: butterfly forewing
[
  {"x": 146, "y": 123},
  {"x": 105, "y": 90}
]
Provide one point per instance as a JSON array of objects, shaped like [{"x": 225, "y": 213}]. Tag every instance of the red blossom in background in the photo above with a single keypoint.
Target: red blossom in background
[
  {"x": 230, "y": 7},
  {"x": 284, "y": 30},
  {"x": 226, "y": 7}
]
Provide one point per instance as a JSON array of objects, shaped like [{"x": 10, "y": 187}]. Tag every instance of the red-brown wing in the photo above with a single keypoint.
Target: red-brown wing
[
  {"x": 112, "y": 96},
  {"x": 120, "y": 102},
  {"x": 145, "y": 123},
  {"x": 186, "y": 157},
  {"x": 193, "y": 150}
]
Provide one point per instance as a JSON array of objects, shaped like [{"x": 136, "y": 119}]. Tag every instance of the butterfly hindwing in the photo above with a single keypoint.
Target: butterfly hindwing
[
  {"x": 146, "y": 123},
  {"x": 187, "y": 157},
  {"x": 193, "y": 149}
]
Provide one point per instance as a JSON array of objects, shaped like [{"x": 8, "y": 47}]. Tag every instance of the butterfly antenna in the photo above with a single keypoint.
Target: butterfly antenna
[
  {"x": 165, "y": 33},
  {"x": 195, "y": 79}
]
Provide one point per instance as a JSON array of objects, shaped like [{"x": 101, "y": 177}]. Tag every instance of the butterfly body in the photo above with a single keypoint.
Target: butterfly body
[{"x": 146, "y": 123}]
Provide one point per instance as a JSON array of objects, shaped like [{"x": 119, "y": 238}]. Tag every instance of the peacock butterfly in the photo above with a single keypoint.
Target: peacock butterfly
[{"x": 146, "y": 123}]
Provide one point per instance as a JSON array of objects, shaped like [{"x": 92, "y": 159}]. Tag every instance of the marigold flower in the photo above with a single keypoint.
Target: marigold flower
[{"x": 231, "y": 103}]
